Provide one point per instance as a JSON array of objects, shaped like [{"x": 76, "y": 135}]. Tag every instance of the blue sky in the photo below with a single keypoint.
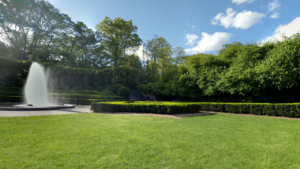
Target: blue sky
[{"x": 199, "y": 26}]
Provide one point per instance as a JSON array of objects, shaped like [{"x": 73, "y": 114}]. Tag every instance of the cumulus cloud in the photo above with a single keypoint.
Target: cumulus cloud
[
  {"x": 275, "y": 15},
  {"x": 272, "y": 8},
  {"x": 239, "y": 2},
  {"x": 138, "y": 51},
  {"x": 242, "y": 20},
  {"x": 191, "y": 39},
  {"x": 287, "y": 30},
  {"x": 210, "y": 42},
  {"x": 273, "y": 5}
]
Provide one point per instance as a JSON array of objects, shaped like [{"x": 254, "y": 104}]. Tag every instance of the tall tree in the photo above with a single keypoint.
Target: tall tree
[
  {"x": 179, "y": 54},
  {"x": 118, "y": 35},
  {"x": 159, "y": 48},
  {"x": 25, "y": 24},
  {"x": 85, "y": 40}
]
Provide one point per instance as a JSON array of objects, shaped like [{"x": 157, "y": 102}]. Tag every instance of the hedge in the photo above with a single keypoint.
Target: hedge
[
  {"x": 14, "y": 73},
  {"x": 145, "y": 107},
  {"x": 124, "y": 92},
  {"x": 279, "y": 109},
  {"x": 114, "y": 88}
]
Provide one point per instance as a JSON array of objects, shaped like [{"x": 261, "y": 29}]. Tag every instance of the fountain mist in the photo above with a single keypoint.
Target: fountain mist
[{"x": 36, "y": 86}]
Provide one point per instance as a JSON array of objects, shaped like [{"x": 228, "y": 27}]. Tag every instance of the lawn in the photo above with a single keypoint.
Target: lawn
[{"x": 132, "y": 141}]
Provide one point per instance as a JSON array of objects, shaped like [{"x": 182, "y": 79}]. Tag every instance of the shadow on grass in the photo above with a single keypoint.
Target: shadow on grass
[
  {"x": 194, "y": 114},
  {"x": 178, "y": 116}
]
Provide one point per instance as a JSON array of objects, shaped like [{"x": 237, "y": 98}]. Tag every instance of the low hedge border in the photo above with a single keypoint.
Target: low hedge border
[
  {"x": 279, "y": 109},
  {"x": 145, "y": 107}
]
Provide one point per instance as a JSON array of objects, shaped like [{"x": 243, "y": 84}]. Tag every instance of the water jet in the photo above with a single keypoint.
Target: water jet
[{"x": 36, "y": 92}]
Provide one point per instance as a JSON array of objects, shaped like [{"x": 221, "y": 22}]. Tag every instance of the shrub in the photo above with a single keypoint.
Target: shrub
[
  {"x": 89, "y": 88},
  {"x": 64, "y": 87},
  {"x": 3, "y": 84},
  {"x": 282, "y": 109},
  {"x": 99, "y": 89},
  {"x": 124, "y": 92},
  {"x": 114, "y": 88},
  {"x": 146, "y": 107},
  {"x": 77, "y": 88}
]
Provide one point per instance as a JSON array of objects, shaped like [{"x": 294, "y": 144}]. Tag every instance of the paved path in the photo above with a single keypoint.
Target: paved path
[{"x": 79, "y": 109}]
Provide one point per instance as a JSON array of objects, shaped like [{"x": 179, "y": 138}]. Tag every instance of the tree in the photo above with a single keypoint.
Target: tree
[
  {"x": 25, "y": 24},
  {"x": 159, "y": 48},
  {"x": 179, "y": 55},
  {"x": 118, "y": 35},
  {"x": 85, "y": 39}
]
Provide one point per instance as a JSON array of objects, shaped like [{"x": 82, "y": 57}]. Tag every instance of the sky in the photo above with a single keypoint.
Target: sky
[{"x": 198, "y": 26}]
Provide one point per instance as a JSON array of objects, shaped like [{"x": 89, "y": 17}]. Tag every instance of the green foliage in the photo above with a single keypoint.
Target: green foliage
[
  {"x": 65, "y": 87},
  {"x": 85, "y": 97},
  {"x": 118, "y": 35},
  {"x": 251, "y": 72},
  {"x": 124, "y": 92},
  {"x": 99, "y": 89},
  {"x": 89, "y": 88},
  {"x": 77, "y": 88},
  {"x": 160, "y": 51},
  {"x": 286, "y": 110},
  {"x": 15, "y": 74},
  {"x": 146, "y": 107},
  {"x": 244, "y": 72},
  {"x": 114, "y": 88},
  {"x": 29, "y": 33}
]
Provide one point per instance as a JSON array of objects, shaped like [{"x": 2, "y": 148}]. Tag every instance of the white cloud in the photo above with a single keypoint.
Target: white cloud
[
  {"x": 193, "y": 27},
  {"x": 275, "y": 15},
  {"x": 191, "y": 39},
  {"x": 273, "y": 5},
  {"x": 239, "y": 2},
  {"x": 210, "y": 42},
  {"x": 138, "y": 51},
  {"x": 272, "y": 8},
  {"x": 287, "y": 30},
  {"x": 242, "y": 20}
]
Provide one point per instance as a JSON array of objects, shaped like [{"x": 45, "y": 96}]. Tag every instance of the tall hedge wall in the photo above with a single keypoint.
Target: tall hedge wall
[{"x": 14, "y": 73}]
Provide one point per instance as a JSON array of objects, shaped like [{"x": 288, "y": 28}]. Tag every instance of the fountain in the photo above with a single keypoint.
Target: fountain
[
  {"x": 36, "y": 92},
  {"x": 36, "y": 87}
]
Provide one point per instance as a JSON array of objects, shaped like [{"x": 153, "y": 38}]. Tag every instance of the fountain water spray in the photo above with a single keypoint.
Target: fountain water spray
[{"x": 35, "y": 90}]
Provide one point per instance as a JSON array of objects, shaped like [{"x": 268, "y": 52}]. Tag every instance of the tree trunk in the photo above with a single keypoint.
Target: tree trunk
[
  {"x": 23, "y": 56},
  {"x": 124, "y": 57}
]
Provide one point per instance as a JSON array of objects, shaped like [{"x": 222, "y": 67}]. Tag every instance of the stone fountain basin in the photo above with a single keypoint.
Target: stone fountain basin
[{"x": 32, "y": 108}]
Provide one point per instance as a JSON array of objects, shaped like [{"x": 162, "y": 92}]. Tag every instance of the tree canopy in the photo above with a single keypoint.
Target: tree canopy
[{"x": 34, "y": 30}]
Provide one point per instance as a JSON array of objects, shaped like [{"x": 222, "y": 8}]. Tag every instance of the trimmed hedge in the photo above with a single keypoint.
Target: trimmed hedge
[
  {"x": 280, "y": 109},
  {"x": 124, "y": 92},
  {"x": 99, "y": 89},
  {"x": 145, "y": 107},
  {"x": 86, "y": 101},
  {"x": 114, "y": 88}
]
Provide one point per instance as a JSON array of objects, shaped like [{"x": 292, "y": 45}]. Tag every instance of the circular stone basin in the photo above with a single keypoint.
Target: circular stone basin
[{"x": 31, "y": 108}]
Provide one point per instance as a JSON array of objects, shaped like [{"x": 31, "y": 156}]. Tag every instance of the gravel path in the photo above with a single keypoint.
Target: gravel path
[{"x": 79, "y": 109}]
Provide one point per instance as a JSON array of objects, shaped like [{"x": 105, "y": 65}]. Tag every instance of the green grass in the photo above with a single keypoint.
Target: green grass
[{"x": 128, "y": 141}]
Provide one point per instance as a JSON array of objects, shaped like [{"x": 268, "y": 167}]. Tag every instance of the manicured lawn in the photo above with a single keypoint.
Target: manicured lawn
[{"x": 131, "y": 141}]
